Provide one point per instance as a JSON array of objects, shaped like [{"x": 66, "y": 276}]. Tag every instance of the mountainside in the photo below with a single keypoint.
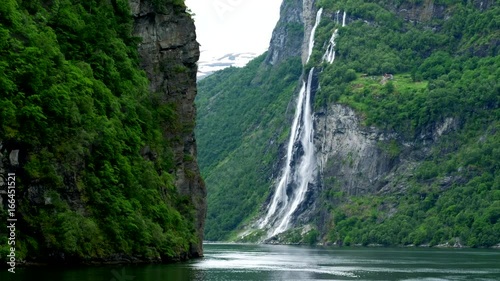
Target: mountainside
[
  {"x": 215, "y": 63},
  {"x": 405, "y": 128},
  {"x": 97, "y": 149}
]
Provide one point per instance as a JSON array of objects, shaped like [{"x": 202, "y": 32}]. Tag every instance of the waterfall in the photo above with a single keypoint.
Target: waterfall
[
  {"x": 280, "y": 197},
  {"x": 329, "y": 55},
  {"x": 307, "y": 166},
  {"x": 313, "y": 31},
  {"x": 297, "y": 174}
]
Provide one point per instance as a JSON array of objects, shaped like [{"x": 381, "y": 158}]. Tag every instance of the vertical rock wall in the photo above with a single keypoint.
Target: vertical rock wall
[
  {"x": 288, "y": 34},
  {"x": 168, "y": 53}
]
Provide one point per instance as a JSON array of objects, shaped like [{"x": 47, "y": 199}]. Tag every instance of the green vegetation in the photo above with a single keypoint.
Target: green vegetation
[
  {"x": 75, "y": 102},
  {"x": 442, "y": 68},
  {"x": 459, "y": 82},
  {"x": 453, "y": 198},
  {"x": 160, "y": 5},
  {"x": 453, "y": 73},
  {"x": 240, "y": 112}
]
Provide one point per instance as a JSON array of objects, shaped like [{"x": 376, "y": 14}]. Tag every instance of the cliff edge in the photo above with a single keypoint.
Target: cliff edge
[
  {"x": 98, "y": 156},
  {"x": 169, "y": 53}
]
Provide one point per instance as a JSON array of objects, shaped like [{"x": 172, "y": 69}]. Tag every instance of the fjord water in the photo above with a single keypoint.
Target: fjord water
[{"x": 234, "y": 262}]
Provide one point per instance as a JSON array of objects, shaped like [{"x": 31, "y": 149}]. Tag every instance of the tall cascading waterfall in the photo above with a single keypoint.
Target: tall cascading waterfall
[{"x": 296, "y": 175}]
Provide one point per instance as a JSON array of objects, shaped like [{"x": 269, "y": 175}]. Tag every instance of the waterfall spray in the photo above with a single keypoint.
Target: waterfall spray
[{"x": 295, "y": 177}]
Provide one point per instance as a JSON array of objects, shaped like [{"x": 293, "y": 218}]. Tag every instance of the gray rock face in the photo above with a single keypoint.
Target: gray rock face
[
  {"x": 168, "y": 53},
  {"x": 358, "y": 160},
  {"x": 350, "y": 152},
  {"x": 291, "y": 34},
  {"x": 308, "y": 18},
  {"x": 288, "y": 34}
]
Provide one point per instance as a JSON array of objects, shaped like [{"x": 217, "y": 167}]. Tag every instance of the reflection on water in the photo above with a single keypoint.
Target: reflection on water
[
  {"x": 273, "y": 262},
  {"x": 281, "y": 262},
  {"x": 230, "y": 262}
]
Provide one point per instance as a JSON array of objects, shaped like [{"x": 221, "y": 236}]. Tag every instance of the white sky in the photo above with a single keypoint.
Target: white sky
[{"x": 227, "y": 26}]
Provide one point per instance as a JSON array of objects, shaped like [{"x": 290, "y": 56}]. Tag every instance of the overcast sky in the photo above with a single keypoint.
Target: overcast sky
[{"x": 227, "y": 26}]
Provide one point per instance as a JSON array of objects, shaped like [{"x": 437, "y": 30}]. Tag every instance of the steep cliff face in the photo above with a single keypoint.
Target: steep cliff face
[
  {"x": 291, "y": 35},
  {"x": 350, "y": 152},
  {"x": 368, "y": 160},
  {"x": 106, "y": 170},
  {"x": 168, "y": 53},
  {"x": 288, "y": 33}
]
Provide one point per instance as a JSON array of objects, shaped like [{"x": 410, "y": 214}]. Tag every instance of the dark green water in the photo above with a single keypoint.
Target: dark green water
[{"x": 225, "y": 262}]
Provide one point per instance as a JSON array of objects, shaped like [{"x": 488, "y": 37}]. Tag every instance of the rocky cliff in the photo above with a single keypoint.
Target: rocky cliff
[
  {"x": 106, "y": 170},
  {"x": 291, "y": 35},
  {"x": 169, "y": 53},
  {"x": 360, "y": 157},
  {"x": 288, "y": 33}
]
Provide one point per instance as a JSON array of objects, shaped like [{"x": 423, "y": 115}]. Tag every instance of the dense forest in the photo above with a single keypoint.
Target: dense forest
[
  {"x": 76, "y": 105},
  {"x": 443, "y": 66}
]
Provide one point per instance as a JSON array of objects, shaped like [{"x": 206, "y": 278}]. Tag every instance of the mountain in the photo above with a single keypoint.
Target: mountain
[
  {"x": 97, "y": 150},
  {"x": 217, "y": 62},
  {"x": 365, "y": 123}
]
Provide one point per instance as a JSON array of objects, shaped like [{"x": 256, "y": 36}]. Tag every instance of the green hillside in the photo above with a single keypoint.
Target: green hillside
[
  {"x": 240, "y": 110},
  {"x": 444, "y": 66},
  {"x": 76, "y": 105}
]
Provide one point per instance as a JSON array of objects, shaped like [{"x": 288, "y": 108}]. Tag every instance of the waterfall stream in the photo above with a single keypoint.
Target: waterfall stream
[
  {"x": 300, "y": 164},
  {"x": 329, "y": 55},
  {"x": 313, "y": 31}
]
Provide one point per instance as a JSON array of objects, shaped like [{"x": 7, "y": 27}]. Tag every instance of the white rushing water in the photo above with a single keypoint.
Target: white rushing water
[
  {"x": 313, "y": 31},
  {"x": 329, "y": 55},
  {"x": 304, "y": 172},
  {"x": 300, "y": 174},
  {"x": 280, "y": 197}
]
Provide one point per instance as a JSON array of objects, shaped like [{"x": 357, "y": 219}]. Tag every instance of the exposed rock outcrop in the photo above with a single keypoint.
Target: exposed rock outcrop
[
  {"x": 350, "y": 152},
  {"x": 168, "y": 53},
  {"x": 291, "y": 34},
  {"x": 367, "y": 159},
  {"x": 287, "y": 38}
]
